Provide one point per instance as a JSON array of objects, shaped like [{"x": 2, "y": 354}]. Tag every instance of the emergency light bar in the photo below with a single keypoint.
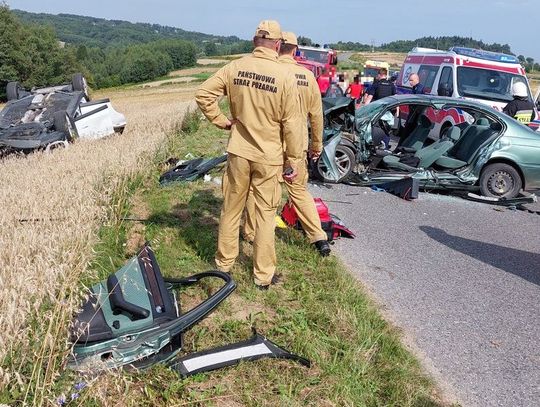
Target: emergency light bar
[{"x": 487, "y": 55}]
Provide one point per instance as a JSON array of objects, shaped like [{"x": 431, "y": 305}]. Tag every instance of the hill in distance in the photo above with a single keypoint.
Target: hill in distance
[{"x": 99, "y": 32}]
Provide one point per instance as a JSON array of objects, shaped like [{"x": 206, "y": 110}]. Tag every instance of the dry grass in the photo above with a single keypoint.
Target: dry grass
[
  {"x": 393, "y": 58},
  {"x": 153, "y": 84},
  {"x": 194, "y": 71},
  {"x": 211, "y": 61},
  {"x": 52, "y": 207}
]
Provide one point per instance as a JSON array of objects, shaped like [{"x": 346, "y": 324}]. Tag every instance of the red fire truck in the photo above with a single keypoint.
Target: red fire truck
[{"x": 317, "y": 59}]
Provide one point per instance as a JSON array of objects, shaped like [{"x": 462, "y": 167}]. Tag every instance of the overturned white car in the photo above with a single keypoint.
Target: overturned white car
[{"x": 47, "y": 117}]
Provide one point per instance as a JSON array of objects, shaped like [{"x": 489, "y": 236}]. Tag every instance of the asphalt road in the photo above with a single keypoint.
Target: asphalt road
[{"x": 461, "y": 280}]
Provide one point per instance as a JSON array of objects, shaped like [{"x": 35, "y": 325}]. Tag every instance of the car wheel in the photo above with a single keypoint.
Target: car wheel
[
  {"x": 64, "y": 123},
  {"x": 345, "y": 160},
  {"x": 12, "y": 90},
  {"x": 500, "y": 180},
  {"x": 79, "y": 84}
]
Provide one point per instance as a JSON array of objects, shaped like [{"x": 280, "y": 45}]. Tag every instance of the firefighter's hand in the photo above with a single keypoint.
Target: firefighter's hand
[
  {"x": 314, "y": 155},
  {"x": 228, "y": 124},
  {"x": 290, "y": 174}
]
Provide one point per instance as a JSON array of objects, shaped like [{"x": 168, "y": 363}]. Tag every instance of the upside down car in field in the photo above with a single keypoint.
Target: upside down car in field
[
  {"x": 44, "y": 118},
  {"x": 444, "y": 143}
]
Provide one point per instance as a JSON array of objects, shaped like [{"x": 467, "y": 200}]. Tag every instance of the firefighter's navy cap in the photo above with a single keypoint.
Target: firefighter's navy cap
[
  {"x": 268, "y": 29},
  {"x": 289, "y": 38}
]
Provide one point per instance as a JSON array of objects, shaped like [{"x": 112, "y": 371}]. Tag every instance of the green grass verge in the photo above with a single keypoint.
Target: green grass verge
[{"x": 319, "y": 311}]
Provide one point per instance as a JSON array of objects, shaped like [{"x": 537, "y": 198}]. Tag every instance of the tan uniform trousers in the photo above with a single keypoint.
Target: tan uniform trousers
[
  {"x": 302, "y": 201},
  {"x": 263, "y": 179}
]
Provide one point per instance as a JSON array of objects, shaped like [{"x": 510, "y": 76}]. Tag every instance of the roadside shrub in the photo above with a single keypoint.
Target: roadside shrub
[
  {"x": 191, "y": 122},
  {"x": 141, "y": 64}
]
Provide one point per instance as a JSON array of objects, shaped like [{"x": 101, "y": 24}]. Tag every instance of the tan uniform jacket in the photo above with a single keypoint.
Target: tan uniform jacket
[
  {"x": 310, "y": 101},
  {"x": 263, "y": 98}
]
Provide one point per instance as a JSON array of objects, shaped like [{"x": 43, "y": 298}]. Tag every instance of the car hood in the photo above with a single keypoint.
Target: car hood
[{"x": 332, "y": 104}]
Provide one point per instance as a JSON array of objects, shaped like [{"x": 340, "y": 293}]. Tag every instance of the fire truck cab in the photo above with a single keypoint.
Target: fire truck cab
[{"x": 317, "y": 59}]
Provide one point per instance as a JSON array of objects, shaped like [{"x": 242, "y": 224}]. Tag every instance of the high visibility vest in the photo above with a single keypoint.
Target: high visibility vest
[{"x": 523, "y": 116}]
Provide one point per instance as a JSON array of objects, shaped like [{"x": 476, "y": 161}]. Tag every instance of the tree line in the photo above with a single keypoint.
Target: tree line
[
  {"x": 442, "y": 43},
  {"x": 33, "y": 55},
  {"x": 100, "y": 32}
]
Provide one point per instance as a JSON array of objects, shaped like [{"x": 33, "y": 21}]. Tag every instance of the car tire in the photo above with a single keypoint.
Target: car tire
[
  {"x": 500, "y": 180},
  {"x": 79, "y": 84},
  {"x": 12, "y": 90},
  {"x": 64, "y": 123},
  {"x": 345, "y": 160}
]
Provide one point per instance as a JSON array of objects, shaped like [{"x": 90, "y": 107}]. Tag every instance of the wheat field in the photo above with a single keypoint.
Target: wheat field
[{"x": 53, "y": 205}]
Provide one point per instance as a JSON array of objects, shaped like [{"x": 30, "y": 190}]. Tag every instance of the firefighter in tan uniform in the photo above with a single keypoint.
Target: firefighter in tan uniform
[
  {"x": 266, "y": 129},
  {"x": 311, "y": 107}
]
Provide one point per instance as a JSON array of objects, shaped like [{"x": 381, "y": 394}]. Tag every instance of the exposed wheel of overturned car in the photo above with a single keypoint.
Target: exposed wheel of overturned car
[
  {"x": 500, "y": 180},
  {"x": 79, "y": 84},
  {"x": 12, "y": 90},
  {"x": 345, "y": 160},
  {"x": 63, "y": 123}
]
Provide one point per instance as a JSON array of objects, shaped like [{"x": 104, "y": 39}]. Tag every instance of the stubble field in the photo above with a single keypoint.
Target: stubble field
[{"x": 53, "y": 206}]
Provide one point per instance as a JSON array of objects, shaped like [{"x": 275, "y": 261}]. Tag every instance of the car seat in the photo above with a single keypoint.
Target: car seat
[
  {"x": 427, "y": 155},
  {"x": 419, "y": 135},
  {"x": 464, "y": 150}
]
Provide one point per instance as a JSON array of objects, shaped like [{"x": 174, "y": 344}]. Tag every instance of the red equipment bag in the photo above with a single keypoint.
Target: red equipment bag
[{"x": 331, "y": 224}]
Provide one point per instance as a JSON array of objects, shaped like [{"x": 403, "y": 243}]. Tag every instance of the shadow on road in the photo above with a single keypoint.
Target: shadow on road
[{"x": 519, "y": 262}]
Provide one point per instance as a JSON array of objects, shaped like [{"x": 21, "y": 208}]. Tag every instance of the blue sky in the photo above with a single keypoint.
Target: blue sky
[{"x": 512, "y": 21}]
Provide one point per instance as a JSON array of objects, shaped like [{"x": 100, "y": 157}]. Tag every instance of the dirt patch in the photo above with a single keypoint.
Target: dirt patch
[
  {"x": 393, "y": 58},
  {"x": 193, "y": 71},
  {"x": 135, "y": 239},
  {"x": 139, "y": 208},
  {"x": 168, "y": 81},
  {"x": 211, "y": 61},
  {"x": 242, "y": 310}
]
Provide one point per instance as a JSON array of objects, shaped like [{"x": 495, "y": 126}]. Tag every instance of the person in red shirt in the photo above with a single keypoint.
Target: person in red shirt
[
  {"x": 355, "y": 89},
  {"x": 324, "y": 82}
]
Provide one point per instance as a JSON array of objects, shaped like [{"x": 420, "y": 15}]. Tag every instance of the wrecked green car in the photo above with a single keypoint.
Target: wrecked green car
[{"x": 445, "y": 143}]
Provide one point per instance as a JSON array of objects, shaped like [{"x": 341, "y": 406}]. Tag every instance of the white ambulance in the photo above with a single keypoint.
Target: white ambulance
[{"x": 464, "y": 73}]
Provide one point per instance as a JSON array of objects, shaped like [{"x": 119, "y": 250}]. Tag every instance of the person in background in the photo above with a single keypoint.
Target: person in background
[
  {"x": 381, "y": 87},
  {"x": 355, "y": 89},
  {"x": 342, "y": 82},
  {"x": 521, "y": 108},
  {"x": 266, "y": 132},
  {"x": 417, "y": 87},
  {"x": 324, "y": 82}
]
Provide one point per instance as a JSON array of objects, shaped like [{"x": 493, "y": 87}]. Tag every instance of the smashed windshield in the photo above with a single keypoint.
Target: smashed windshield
[
  {"x": 314, "y": 55},
  {"x": 369, "y": 111},
  {"x": 373, "y": 72},
  {"x": 487, "y": 84}
]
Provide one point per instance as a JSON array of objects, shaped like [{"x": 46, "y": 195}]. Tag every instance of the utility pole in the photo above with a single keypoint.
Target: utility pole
[{"x": 372, "y": 45}]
